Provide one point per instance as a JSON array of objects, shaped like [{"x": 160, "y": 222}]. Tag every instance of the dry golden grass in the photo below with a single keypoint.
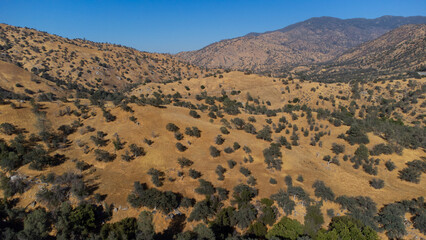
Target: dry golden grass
[{"x": 115, "y": 179}]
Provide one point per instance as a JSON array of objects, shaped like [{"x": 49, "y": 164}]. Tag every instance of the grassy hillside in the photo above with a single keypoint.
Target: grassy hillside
[
  {"x": 210, "y": 155},
  {"x": 80, "y": 63},
  {"x": 142, "y": 121}
]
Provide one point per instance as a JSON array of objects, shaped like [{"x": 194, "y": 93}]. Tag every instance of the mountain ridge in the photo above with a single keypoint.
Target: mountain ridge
[{"x": 312, "y": 41}]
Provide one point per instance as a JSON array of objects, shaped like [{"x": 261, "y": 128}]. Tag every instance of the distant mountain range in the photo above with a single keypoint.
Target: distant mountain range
[{"x": 316, "y": 40}]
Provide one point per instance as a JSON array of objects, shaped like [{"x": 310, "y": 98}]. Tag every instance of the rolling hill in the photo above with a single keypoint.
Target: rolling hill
[
  {"x": 312, "y": 41},
  {"x": 204, "y": 155},
  {"x": 399, "y": 51},
  {"x": 74, "y": 63}
]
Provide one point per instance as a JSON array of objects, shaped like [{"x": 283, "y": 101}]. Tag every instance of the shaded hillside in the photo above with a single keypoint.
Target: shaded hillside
[
  {"x": 396, "y": 52},
  {"x": 312, "y": 41},
  {"x": 77, "y": 62}
]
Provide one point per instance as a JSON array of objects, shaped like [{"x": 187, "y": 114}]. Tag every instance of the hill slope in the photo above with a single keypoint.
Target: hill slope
[
  {"x": 398, "y": 51},
  {"x": 87, "y": 64},
  {"x": 312, "y": 41}
]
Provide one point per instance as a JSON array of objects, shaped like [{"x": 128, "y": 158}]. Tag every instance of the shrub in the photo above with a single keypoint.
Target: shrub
[
  {"x": 313, "y": 219},
  {"x": 245, "y": 171},
  {"x": 8, "y": 129},
  {"x": 220, "y": 171},
  {"x": 356, "y": 135},
  {"x": 157, "y": 177},
  {"x": 338, "y": 148},
  {"x": 322, "y": 191},
  {"x": 286, "y": 228},
  {"x": 194, "y": 114},
  {"x": 181, "y": 147},
  {"x": 273, "y": 181},
  {"x": 178, "y": 136},
  {"x": 153, "y": 198},
  {"x": 265, "y": 133},
  {"x": 390, "y": 165},
  {"x": 99, "y": 139},
  {"x": 224, "y": 130},
  {"x": 283, "y": 200},
  {"x": 172, "y": 127},
  {"x": 288, "y": 180},
  {"x": 194, "y": 132},
  {"x": 214, "y": 152},
  {"x": 236, "y": 146},
  {"x": 205, "y": 188},
  {"x": 231, "y": 163},
  {"x": 377, "y": 183},
  {"x": 219, "y": 140},
  {"x": 239, "y": 123},
  {"x": 104, "y": 156},
  {"x": 273, "y": 156},
  {"x": 413, "y": 171},
  {"x": 184, "y": 162},
  {"x": 194, "y": 173},
  {"x": 251, "y": 181},
  {"x": 137, "y": 151},
  {"x": 228, "y": 150}
]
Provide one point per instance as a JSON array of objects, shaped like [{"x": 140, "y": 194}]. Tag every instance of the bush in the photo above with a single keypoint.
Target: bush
[
  {"x": 245, "y": 171},
  {"x": 8, "y": 129},
  {"x": 313, "y": 219},
  {"x": 99, "y": 139},
  {"x": 356, "y": 135},
  {"x": 377, "y": 183},
  {"x": 181, "y": 147},
  {"x": 219, "y": 140},
  {"x": 214, "y": 152},
  {"x": 157, "y": 177},
  {"x": 273, "y": 181},
  {"x": 224, "y": 130},
  {"x": 286, "y": 228},
  {"x": 322, "y": 191},
  {"x": 273, "y": 156},
  {"x": 172, "y": 127},
  {"x": 194, "y": 173},
  {"x": 288, "y": 181},
  {"x": 231, "y": 163},
  {"x": 104, "y": 156},
  {"x": 194, "y": 114},
  {"x": 236, "y": 146},
  {"x": 108, "y": 116},
  {"x": 390, "y": 165},
  {"x": 338, "y": 148},
  {"x": 265, "y": 133},
  {"x": 184, "y": 162},
  {"x": 413, "y": 171},
  {"x": 283, "y": 200},
  {"x": 220, "y": 171},
  {"x": 137, "y": 151},
  {"x": 205, "y": 188},
  {"x": 194, "y": 132},
  {"x": 153, "y": 198},
  {"x": 228, "y": 150}
]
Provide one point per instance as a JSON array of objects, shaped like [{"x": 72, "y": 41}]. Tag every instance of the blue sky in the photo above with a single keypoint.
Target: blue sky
[{"x": 174, "y": 26}]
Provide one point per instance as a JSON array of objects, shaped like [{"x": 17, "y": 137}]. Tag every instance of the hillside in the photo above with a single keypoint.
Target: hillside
[
  {"x": 313, "y": 41},
  {"x": 213, "y": 155},
  {"x": 399, "y": 51},
  {"x": 77, "y": 63},
  {"x": 110, "y": 146}
]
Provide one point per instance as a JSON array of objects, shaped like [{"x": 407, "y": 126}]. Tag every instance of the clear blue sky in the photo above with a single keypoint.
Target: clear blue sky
[{"x": 174, "y": 26}]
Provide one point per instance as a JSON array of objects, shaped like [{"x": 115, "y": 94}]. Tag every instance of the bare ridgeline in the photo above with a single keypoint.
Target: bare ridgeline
[{"x": 313, "y": 131}]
